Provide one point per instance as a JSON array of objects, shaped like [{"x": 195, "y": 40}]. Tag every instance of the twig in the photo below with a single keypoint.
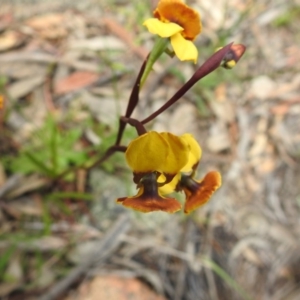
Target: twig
[
  {"x": 101, "y": 251},
  {"x": 10, "y": 184}
]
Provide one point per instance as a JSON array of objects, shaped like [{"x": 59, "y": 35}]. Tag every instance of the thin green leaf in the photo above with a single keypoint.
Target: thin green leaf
[
  {"x": 41, "y": 166},
  {"x": 226, "y": 277},
  {"x": 53, "y": 147},
  {"x": 46, "y": 219},
  {"x": 71, "y": 195},
  {"x": 158, "y": 49},
  {"x": 4, "y": 260}
]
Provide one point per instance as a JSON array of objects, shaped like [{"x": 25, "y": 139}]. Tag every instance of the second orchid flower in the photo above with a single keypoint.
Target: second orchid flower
[
  {"x": 163, "y": 163},
  {"x": 175, "y": 20}
]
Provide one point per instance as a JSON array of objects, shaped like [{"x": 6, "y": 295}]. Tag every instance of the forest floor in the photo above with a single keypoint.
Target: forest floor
[{"x": 66, "y": 73}]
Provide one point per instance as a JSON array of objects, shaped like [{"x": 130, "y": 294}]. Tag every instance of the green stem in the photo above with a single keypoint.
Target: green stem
[{"x": 158, "y": 49}]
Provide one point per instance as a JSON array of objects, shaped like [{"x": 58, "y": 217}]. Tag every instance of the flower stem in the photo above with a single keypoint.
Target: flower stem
[
  {"x": 158, "y": 49},
  {"x": 209, "y": 66}
]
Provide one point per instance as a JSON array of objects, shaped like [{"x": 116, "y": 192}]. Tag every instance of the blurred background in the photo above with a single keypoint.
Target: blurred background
[{"x": 66, "y": 73}]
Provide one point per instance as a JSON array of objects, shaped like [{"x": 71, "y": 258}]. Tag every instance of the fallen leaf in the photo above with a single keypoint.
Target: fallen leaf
[
  {"x": 23, "y": 87},
  {"x": 261, "y": 154},
  {"x": 45, "y": 21},
  {"x": 75, "y": 81},
  {"x": 25, "y": 206},
  {"x": 20, "y": 70},
  {"x": 98, "y": 43},
  {"x": 49, "y": 26},
  {"x": 46, "y": 243},
  {"x": 27, "y": 184},
  {"x": 10, "y": 40},
  {"x": 280, "y": 109},
  {"x": 5, "y": 21},
  {"x": 252, "y": 256}
]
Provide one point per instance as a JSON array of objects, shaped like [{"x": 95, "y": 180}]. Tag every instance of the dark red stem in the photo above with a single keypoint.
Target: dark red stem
[
  {"x": 209, "y": 65},
  {"x": 132, "y": 103}
]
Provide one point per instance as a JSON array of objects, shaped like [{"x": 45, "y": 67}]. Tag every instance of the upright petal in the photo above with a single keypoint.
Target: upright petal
[
  {"x": 184, "y": 49},
  {"x": 177, "y": 155},
  {"x": 180, "y": 13},
  {"x": 147, "y": 153},
  {"x": 194, "y": 153}
]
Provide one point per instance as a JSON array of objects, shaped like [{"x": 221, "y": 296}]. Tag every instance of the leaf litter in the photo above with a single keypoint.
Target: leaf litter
[{"x": 242, "y": 245}]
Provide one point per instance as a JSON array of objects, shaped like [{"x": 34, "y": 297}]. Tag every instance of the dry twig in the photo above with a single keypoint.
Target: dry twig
[{"x": 102, "y": 250}]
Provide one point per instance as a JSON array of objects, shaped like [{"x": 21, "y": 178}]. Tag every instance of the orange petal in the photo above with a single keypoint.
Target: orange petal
[
  {"x": 169, "y": 205},
  {"x": 181, "y": 14},
  {"x": 199, "y": 193},
  {"x": 148, "y": 198}
]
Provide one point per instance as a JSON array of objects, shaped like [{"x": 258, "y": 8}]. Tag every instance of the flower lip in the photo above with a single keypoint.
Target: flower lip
[
  {"x": 199, "y": 192},
  {"x": 148, "y": 198}
]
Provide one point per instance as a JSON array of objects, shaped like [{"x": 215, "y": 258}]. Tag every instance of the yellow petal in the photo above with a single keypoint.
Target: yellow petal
[
  {"x": 147, "y": 153},
  {"x": 184, "y": 49},
  {"x": 169, "y": 187},
  {"x": 194, "y": 153},
  {"x": 177, "y": 156},
  {"x": 229, "y": 64},
  {"x": 162, "y": 29}
]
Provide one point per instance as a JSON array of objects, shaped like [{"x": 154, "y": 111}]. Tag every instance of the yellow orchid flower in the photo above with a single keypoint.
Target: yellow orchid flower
[
  {"x": 197, "y": 192},
  {"x": 163, "y": 163},
  {"x": 150, "y": 156},
  {"x": 175, "y": 20}
]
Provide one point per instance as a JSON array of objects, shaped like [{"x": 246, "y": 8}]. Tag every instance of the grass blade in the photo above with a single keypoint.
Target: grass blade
[{"x": 226, "y": 277}]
